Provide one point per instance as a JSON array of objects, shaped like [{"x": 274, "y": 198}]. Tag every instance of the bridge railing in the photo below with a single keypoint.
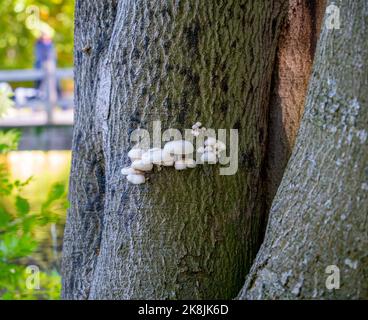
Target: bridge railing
[{"x": 49, "y": 76}]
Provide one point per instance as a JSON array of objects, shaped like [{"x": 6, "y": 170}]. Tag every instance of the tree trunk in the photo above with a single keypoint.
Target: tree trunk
[
  {"x": 190, "y": 234},
  {"x": 291, "y": 76},
  {"x": 319, "y": 215}
]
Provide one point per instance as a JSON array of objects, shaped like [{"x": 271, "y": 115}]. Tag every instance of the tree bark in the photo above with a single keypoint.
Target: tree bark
[
  {"x": 190, "y": 234},
  {"x": 294, "y": 60},
  {"x": 319, "y": 215}
]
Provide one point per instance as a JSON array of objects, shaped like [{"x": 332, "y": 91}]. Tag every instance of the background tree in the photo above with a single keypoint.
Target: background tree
[
  {"x": 319, "y": 215},
  {"x": 190, "y": 234}
]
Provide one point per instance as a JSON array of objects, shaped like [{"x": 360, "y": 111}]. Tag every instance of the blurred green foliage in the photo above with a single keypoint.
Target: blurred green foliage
[
  {"x": 18, "y": 227},
  {"x": 21, "y": 23}
]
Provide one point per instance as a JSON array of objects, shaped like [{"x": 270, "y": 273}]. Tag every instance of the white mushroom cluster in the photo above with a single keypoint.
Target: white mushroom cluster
[
  {"x": 197, "y": 129},
  {"x": 175, "y": 153},
  {"x": 211, "y": 150},
  {"x": 212, "y": 147}
]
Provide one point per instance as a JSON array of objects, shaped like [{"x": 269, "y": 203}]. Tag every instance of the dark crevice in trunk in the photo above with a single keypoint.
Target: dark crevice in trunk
[
  {"x": 295, "y": 54},
  {"x": 279, "y": 140}
]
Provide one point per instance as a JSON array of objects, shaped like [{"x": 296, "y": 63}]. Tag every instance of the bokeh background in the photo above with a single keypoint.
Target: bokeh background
[
  {"x": 36, "y": 120},
  {"x": 18, "y": 34}
]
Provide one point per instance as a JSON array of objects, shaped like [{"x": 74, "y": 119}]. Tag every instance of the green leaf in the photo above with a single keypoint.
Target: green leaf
[
  {"x": 56, "y": 197},
  {"x": 4, "y": 219},
  {"x": 5, "y": 186},
  {"x": 22, "y": 205},
  {"x": 9, "y": 140},
  {"x": 56, "y": 192},
  {"x": 13, "y": 246}
]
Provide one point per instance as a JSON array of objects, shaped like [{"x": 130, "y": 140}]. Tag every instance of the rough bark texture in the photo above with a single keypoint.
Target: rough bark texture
[
  {"x": 294, "y": 61},
  {"x": 190, "y": 234},
  {"x": 319, "y": 215}
]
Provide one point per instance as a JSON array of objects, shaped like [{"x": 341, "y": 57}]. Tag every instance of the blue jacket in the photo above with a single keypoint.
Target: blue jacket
[{"x": 44, "y": 52}]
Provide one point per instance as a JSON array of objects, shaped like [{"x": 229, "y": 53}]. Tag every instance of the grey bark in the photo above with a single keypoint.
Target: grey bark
[
  {"x": 190, "y": 234},
  {"x": 319, "y": 215}
]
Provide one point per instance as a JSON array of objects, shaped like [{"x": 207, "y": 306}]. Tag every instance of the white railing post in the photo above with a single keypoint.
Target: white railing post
[{"x": 50, "y": 88}]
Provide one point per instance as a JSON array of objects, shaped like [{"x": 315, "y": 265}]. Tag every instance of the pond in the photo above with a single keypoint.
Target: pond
[{"x": 46, "y": 168}]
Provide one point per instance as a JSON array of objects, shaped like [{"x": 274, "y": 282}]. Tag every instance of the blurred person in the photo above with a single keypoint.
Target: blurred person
[{"x": 45, "y": 52}]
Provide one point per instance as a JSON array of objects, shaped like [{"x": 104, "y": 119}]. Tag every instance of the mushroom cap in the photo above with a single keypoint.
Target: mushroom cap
[
  {"x": 129, "y": 170},
  {"x": 196, "y": 125},
  {"x": 209, "y": 157},
  {"x": 135, "y": 153},
  {"x": 220, "y": 146},
  {"x": 190, "y": 163},
  {"x": 195, "y": 133},
  {"x": 156, "y": 156},
  {"x": 146, "y": 156},
  {"x": 168, "y": 163},
  {"x": 136, "y": 178},
  {"x": 180, "y": 165},
  {"x": 210, "y": 141},
  {"x": 159, "y": 156},
  {"x": 179, "y": 147},
  {"x": 141, "y": 165},
  {"x": 200, "y": 150}
]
